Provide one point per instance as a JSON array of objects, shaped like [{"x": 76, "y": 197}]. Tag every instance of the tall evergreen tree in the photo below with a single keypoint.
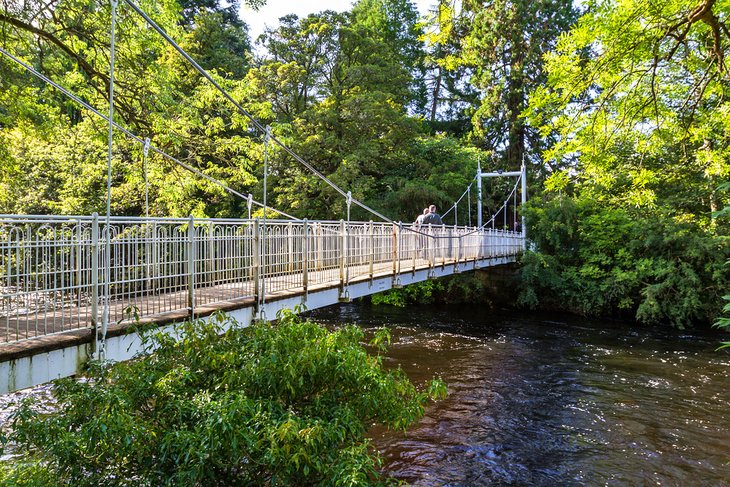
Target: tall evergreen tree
[{"x": 504, "y": 43}]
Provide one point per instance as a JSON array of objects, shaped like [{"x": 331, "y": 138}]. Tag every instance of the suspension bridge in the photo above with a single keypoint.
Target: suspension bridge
[{"x": 74, "y": 288}]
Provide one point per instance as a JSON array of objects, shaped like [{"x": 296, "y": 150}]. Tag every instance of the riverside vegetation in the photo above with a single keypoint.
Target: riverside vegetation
[{"x": 282, "y": 404}]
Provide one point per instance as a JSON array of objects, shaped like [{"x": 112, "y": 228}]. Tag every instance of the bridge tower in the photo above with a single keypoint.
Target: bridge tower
[{"x": 522, "y": 174}]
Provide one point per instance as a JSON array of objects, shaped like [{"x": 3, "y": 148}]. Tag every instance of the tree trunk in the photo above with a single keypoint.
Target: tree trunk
[{"x": 435, "y": 95}]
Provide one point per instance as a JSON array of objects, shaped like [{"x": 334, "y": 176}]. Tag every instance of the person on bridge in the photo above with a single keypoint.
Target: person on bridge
[
  {"x": 419, "y": 218},
  {"x": 432, "y": 218}
]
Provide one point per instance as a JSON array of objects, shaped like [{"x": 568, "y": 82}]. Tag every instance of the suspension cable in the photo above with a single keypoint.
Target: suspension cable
[
  {"x": 245, "y": 112},
  {"x": 476, "y": 229},
  {"x": 131, "y": 135},
  {"x": 468, "y": 188},
  {"x": 250, "y": 117},
  {"x": 496, "y": 213}
]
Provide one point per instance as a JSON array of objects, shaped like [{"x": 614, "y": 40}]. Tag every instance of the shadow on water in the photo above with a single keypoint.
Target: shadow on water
[{"x": 554, "y": 400}]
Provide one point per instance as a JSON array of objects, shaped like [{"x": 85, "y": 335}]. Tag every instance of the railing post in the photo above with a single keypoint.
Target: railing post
[
  {"x": 290, "y": 247},
  {"x": 457, "y": 259},
  {"x": 191, "y": 266},
  {"x": 371, "y": 249},
  {"x": 486, "y": 243},
  {"x": 399, "y": 241},
  {"x": 147, "y": 252},
  {"x": 211, "y": 254},
  {"x": 343, "y": 257},
  {"x": 496, "y": 246},
  {"x": 318, "y": 246},
  {"x": 78, "y": 262},
  {"x": 256, "y": 261},
  {"x": 443, "y": 251},
  {"x": 489, "y": 244},
  {"x": 431, "y": 251},
  {"x": 305, "y": 260},
  {"x": 347, "y": 252},
  {"x": 414, "y": 249},
  {"x": 478, "y": 244},
  {"x": 155, "y": 269},
  {"x": 503, "y": 244},
  {"x": 452, "y": 232},
  {"x": 95, "y": 273},
  {"x": 395, "y": 249}
]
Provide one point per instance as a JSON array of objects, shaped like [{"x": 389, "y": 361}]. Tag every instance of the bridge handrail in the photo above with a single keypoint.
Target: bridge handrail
[{"x": 52, "y": 266}]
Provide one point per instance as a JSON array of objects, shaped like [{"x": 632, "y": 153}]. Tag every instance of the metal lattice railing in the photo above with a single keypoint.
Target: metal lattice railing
[{"x": 53, "y": 276}]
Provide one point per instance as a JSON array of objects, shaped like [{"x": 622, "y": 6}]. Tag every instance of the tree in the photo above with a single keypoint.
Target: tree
[
  {"x": 339, "y": 94},
  {"x": 395, "y": 24},
  {"x": 504, "y": 44},
  {"x": 53, "y": 145},
  {"x": 648, "y": 104},
  {"x": 450, "y": 96},
  {"x": 637, "y": 102}
]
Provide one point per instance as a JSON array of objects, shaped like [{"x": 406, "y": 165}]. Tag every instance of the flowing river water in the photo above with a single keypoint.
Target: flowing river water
[{"x": 553, "y": 400}]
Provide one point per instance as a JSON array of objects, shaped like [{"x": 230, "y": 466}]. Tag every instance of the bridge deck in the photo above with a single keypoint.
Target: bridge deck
[
  {"x": 165, "y": 270},
  {"x": 56, "y": 330}
]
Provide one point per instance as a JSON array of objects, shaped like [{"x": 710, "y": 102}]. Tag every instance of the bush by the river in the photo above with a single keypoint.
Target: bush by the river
[
  {"x": 597, "y": 260},
  {"x": 284, "y": 404}
]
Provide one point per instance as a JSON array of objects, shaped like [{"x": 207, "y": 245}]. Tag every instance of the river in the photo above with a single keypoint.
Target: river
[{"x": 553, "y": 400}]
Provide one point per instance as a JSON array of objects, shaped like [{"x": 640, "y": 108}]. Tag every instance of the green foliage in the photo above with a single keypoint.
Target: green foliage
[
  {"x": 340, "y": 88},
  {"x": 58, "y": 149},
  {"x": 462, "y": 288},
  {"x": 283, "y": 404},
  {"x": 644, "y": 116},
  {"x": 627, "y": 127},
  {"x": 420, "y": 292},
  {"x": 503, "y": 43},
  {"x": 600, "y": 260},
  {"x": 724, "y": 321},
  {"x": 636, "y": 101}
]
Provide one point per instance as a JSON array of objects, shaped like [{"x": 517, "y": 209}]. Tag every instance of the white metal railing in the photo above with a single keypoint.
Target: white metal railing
[{"x": 52, "y": 271}]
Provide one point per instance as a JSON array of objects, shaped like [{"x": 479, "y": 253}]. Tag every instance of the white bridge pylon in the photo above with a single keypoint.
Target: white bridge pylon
[{"x": 522, "y": 179}]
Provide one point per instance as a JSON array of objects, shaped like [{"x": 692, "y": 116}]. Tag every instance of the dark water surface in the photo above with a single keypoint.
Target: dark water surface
[{"x": 546, "y": 400}]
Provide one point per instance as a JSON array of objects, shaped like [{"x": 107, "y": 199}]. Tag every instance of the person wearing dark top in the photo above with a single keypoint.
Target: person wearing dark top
[{"x": 432, "y": 218}]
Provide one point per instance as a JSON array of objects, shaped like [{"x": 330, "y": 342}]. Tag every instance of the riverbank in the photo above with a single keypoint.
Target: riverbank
[{"x": 504, "y": 288}]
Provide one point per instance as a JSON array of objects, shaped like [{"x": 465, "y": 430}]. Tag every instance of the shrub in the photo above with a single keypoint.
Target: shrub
[
  {"x": 597, "y": 260},
  {"x": 284, "y": 404}
]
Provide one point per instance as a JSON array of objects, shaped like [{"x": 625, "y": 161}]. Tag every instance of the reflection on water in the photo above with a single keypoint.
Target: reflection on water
[{"x": 554, "y": 401}]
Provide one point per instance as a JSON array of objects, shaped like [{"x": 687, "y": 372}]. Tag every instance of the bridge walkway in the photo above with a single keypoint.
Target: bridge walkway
[{"x": 53, "y": 271}]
